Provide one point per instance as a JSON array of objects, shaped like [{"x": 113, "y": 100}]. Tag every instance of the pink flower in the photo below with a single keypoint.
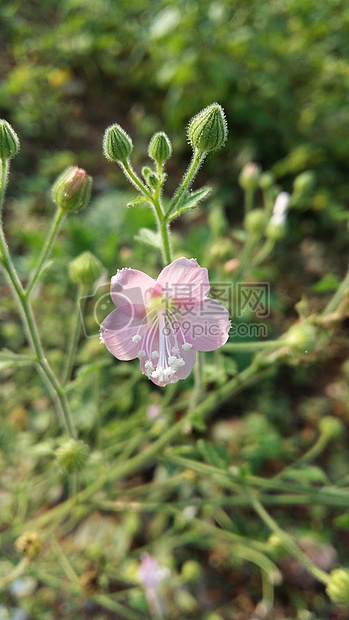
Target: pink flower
[{"x": 164, "y": 322}]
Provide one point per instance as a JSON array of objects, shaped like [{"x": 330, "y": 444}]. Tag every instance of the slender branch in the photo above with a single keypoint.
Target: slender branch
[
  {"x": 73, "y": 340},
  {"x": 197, "y": 159},
  {"x": 45, "y": 251}
]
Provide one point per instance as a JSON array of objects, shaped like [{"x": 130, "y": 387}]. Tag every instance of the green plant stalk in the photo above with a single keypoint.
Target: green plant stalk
[
  {"x": 319, "y": 574},
  {"x": 196, "y": 161},
  {"x": 15, "y": 573},
  {"x": 248, "y": 202},
  {"x": 162, "y": 219},
  {"x": 247, "y": 377},
  {"x": 338, "y": 296},
  {"x": 264, "y": 252},
  {"x": 245, "y": 257},
  {"x": 73, "y": 339},
  {"x": 45, "y": 251},
  {"x": 232, "y": 481},
  {"x": 129, "y": 172},
  {"x": 55, "y": 389},
  {"x": 308, "y": 456},
  {"x": 198, "y": 390}
]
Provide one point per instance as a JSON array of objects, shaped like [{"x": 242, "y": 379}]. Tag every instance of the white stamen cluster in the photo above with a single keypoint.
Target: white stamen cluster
[{"x": 163, "y": 364}]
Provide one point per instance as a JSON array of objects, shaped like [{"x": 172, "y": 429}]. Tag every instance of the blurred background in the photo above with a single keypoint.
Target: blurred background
[{"x": 280, "y": 69}]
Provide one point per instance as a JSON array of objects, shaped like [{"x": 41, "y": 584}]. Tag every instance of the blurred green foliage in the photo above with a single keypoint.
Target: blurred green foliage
[{"x": 279, "y": 68}]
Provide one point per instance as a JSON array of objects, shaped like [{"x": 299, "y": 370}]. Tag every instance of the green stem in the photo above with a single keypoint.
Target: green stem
[
  {"x": 308, "y": 456},
  {"x": 319, "y": 574},
  {"x": 245, "y": 257},
  {"x": 45, "y": 251},
  {"x": 249, "y": 193},
  {"x": 4, "y": 170},
  {"x": 129, "y": 172},
  {"x": 198, "y": 386},
  {"x": 265, "y": 250},
  {"x": 17, "y": 572},
  {"x": 338, "y": 296},
  {"x": 28, "y": 319},
  {"x": 197, "y": 159},
  {"x": 73, "y": 340}
]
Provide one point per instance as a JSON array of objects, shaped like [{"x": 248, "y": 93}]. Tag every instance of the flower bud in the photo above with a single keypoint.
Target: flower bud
[
  {"x": 266, "y": 180},
  {"x": 304, "y": 182},
  {"x": 208, "y": 131},
  {"x": 276, "y": 547},
  {"x": 150, "y": 177},
  {"x": 29, "y": 543},
  {"x": 117, "y": 144},
  {"x": 331, "y": 426},
  {"x": 9, "y": 142},
  {"x": 275, "y": 230},
  {"x": 160, "y": 148},
  {"x": 255, "y": 222},
  {"x": 302, "y": 336},
  {"x": 191, "y": 571},
  {"x": 249, "y": 176},
  {"x": 72, "y": 190},
  {"x": 85, "y": 268},
  {"x": 338, "y": 586},
  {"x": 72, "y": 455}
]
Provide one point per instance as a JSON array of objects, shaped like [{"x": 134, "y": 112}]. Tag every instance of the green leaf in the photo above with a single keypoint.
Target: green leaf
[
  {"x": 190, "y": 201},
  {"x": 309, "y": 474},
  {"x": 8, "y": 359},
  {"x": 137, "y": 201},
  {"x": 150, "y": 237},
  {"x": 214, "y": 454},
  {"x": 326, "y": 285}
]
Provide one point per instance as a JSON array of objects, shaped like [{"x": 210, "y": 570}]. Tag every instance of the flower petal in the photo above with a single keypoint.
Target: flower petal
[
  {"x": 117, "y": 331},
  {"x": 208, "y": 329},
  {"x": 128, "y": 290},
  {"x": 185, "y": 281}
]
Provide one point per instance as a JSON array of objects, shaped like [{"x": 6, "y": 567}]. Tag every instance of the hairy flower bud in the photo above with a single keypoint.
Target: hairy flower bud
[
  {"x": 72, "y": 190},
  {"x": 117, "y": 144},
  {"x": 160, "y": 148},
  {"x": 249, "y": 176},
  {"x": 29, "y": 543},
  {"x": 302, "y": 337},
  {"x": 72, "y": 455},
  {"x": 255, "y": 222},
  {"x": 9, "y": 142},
  {"x": 338, "y": 586},
  {"x": 208, "y": 131},
  {"x": 85, "y": 268}
]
